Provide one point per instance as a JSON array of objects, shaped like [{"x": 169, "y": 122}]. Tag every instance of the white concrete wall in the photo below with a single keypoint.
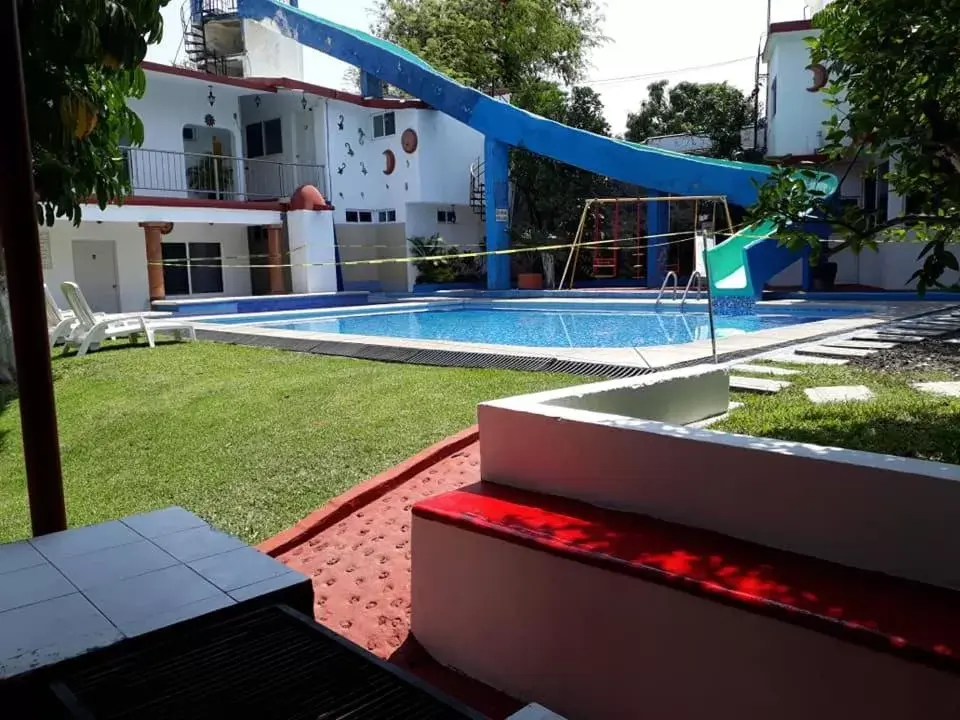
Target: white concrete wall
[
  {"x": 800, "y": 113},
  {"x": 270, "y": 54},
  {"x": 170, "y": 103},
  {"x": 839, "y": 505},
  {"x": 350, "y": 188},
  {"x": 132, "y": 256},
  {"x": 312, "y": 253},
  {"x": 447, "y": 150}
]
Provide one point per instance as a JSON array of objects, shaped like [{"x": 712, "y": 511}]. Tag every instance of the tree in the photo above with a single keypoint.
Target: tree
[
  {"x": 895, "y": 94},
  {"x": 717, "y": 111},
  {"x": 81, "y": 63},
  {"x": 551, "y": 194},
  {"x": 495, "y": 45}
]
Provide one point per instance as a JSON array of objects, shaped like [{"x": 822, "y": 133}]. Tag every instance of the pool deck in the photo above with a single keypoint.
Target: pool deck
[{"x": 739, "y": 346}]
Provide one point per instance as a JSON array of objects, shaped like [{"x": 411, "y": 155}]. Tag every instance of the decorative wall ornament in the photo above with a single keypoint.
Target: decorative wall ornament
[
  {"x": 406, "y": 186},
  {"x": 341, "y": 167},
  {"x": 389, "y": 162},
  {"x": 409, "y": 140},
  {"x": 350, "y": 152},
  {"x": 820, "y": 77},
  {"x": 361, "y": 135},
  {"x": 408, "y": 163},
  {"x": 303, "y": 102},
  {"x": 363, "y": 168},
  {"x": 209, "y": 120},
  {"x": 362, "y": 195},
  {"x": 340, "y": 122},
  {"x": 256, "y": 100},
  {"x": 211, "y": 98}
]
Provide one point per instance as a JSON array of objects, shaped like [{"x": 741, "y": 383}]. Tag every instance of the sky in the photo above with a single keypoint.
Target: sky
[{"x": 693, "y": 40}]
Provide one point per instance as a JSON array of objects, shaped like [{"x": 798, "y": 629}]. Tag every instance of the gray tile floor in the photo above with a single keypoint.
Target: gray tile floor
[{"x": 64, "y": 594}]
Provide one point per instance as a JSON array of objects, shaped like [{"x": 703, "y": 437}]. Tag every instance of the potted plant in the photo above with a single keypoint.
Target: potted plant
[
  {"x": 211, "y": 176},
  {"x": 528, "y": 264}
]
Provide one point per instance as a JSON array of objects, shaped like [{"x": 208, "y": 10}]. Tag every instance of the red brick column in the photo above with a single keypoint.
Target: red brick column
[
  {"x": 275, "y": 258},
  {"x": 152, "y": 233}
]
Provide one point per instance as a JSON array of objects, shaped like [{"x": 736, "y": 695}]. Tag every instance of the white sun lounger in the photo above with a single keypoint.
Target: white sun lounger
[
  {"x": 90, "y": 330},
  {"x": 61, "y": 322}
]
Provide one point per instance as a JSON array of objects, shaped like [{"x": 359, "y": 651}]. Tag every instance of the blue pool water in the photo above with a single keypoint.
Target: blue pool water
[{"x": 540, "y": 327}]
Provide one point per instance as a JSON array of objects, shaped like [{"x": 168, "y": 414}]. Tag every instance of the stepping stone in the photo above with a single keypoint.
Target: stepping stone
[
  {"x": 943, "y": 389},
  {"x": 764, "y": 370},
  {"x": 889, "y": 337},
  {"x": 839, "y": 393},
  {"x": 912, "y": 332},
  {"x": 925, "y": 329},
  {"x": 793, "y": 358},
  {"x": 861, "y": 344},
  {"x": 758, "y": 385},
  {"x": 834, "y": 351}
]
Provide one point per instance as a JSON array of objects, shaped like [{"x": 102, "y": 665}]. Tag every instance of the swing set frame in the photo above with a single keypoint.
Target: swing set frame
[{"x": 605, "y": 252}]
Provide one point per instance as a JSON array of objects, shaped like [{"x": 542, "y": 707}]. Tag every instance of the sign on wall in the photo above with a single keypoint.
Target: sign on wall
[
  {"x": 45, "y": 256},
  {"x": 502, "y": 215}
]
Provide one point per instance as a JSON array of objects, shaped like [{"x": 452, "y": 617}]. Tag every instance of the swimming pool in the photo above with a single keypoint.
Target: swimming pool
[{"x": 571, "y": 325}]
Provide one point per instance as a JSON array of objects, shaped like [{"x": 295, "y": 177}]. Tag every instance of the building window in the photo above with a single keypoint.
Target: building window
[
  {"x": 384, "y": 125},
  {"x": 264, "y": 138},
  {"x": 386, "y": 216},
  {"x": 359, "y": 216},
  {"x": 773, "y": 98},
  {"x": 446, "y": 217},
  {"x": 192, "y": 268}
]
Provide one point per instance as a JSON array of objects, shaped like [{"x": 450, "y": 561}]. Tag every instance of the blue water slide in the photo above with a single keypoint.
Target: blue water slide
[{"x": 506, "y": 126}]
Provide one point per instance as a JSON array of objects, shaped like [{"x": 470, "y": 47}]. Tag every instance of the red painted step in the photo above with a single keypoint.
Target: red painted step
[{"x": 909, "y": 619}]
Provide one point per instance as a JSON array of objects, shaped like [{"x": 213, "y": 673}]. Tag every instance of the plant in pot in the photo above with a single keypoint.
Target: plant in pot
[
  {"x": 528, "y": 264},
  {"x": 211, "y": 177},
  {"x": 433, "y": 267}
]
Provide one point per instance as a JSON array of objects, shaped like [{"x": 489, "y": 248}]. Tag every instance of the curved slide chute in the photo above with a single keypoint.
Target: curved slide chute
[{"x": 738, "y": 266}]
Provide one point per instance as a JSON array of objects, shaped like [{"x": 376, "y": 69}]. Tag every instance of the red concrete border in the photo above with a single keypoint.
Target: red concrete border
[
  {"x": 365, "y": 493},
  {"x": 790, "y": 26}
]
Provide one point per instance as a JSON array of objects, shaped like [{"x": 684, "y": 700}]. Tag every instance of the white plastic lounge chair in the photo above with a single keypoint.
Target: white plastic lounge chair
[
  {"x": 61, "y": 322},
  {"x": 90, "y": 330}
]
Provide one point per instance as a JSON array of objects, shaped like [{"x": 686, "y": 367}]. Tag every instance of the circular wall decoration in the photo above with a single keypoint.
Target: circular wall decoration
[
  {"x": 166, "y": 228},
  {"x": 389, "y": 162},
  {"x": 409, "y": 140},
  {"x": 819, "y": 77}
]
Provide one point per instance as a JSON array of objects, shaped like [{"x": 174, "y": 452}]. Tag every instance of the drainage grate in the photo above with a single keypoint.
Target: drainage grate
[{"x": 271, "y": 663}]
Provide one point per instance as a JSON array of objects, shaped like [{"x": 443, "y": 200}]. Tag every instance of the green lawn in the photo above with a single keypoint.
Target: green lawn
[
  {"x": 251, "y": 439},
  {"x": 899, "y": 421}
]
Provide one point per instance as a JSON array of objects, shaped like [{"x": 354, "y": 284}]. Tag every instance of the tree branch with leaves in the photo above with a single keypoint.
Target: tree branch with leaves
[{"x": 895, "y": 94}]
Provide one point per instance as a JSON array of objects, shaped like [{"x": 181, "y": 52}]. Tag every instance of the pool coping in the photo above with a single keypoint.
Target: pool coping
[{"x": 601, "y": 362}]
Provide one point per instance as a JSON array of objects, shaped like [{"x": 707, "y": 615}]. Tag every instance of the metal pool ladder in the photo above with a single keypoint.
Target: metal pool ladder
[
  {"x": 663, "y": 286},
  {"x": 686, "y": 291}
]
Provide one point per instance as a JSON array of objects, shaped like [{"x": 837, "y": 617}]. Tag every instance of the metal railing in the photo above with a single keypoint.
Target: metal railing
[
  {"x": 686, "y": 291},
  {"x": 663, "y": 286},
  {"x": 217, "y": 177}
]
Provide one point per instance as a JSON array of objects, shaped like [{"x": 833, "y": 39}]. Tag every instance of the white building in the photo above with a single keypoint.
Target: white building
[{"x": 227, "y": 143}]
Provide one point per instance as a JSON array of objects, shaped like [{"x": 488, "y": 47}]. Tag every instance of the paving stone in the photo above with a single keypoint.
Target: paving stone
[
  {"x": 861, "y": 344},
  {"x": 912, "y": 332},
  {"x": 834, "y": 351},
  {"x": 794, "y": 359},
  {"x": 764, "y": 370},
  {"x": 758, "y": 385},
  {"x": 891, "y": 337},
  {"x": 943, "y": 389},
  {"x": 839, "y": 393}
]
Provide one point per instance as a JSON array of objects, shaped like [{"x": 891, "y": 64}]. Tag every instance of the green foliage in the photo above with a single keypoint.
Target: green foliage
[
  {"x": 495, "y": 45},
  {"x": 81, "y": 64},
  {"x": 717, "y": 111},
  {"x": 895, "y": 93},
  {"x": 550, "y": 195},
  {"x": 438, "y": 263}
]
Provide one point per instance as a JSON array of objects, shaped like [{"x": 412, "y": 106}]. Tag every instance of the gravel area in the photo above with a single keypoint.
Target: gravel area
[{"x": 934, "y": 355}]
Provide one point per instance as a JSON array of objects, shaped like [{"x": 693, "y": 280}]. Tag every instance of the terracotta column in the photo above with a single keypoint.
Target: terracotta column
[
  {"x": 275, "y": 258},
  {"x": 152, "y": 233}
]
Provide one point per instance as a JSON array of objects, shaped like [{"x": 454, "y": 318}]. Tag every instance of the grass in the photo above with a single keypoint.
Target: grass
[
  {"x": 899, "y": 421},
  {"x": 251, "y": 439}
]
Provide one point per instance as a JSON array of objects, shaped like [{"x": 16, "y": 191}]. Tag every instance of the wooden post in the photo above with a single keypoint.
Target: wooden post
[
  {"x": 21, "y": 251},
  {"x": 153, "y": 233},
  {"x": 275, "y": 258}
]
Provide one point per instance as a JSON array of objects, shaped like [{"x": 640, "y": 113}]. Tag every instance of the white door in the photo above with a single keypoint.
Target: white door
[{"x": 95, "y": 271}]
